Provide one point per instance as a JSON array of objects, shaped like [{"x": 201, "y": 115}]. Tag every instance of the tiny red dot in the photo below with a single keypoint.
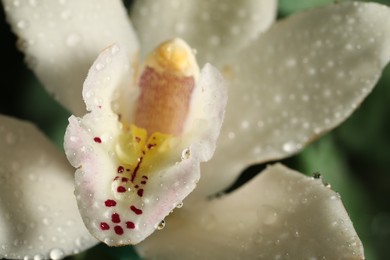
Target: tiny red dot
[
  {"x": 120, "y": 169},
  {"x": 115, "y": 218},
  {"x": 124, "y": 179},
  {"x": 121, "y": 189},
  {"x": 104, "y": 226},
  {"x": 130, "y": 225},
  {"x": 143, "y": 182},
  {"x": 97, "y": 140},
  {"x": 145, "y": 177},
  {"x": 136, "y": 186},
  {"x": 140, "y": 192},
  {"x": 138, "y": 139},
  {"x": 136, "y": 210},
  {"x": 118, "y": 230},
  {"x": 110, "y": 203}
]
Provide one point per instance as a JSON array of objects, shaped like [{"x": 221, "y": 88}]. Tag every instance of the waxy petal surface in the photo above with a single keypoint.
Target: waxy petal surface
[
  {"x": 113, "y": 213},
  {"x": 214, "y": 28},
  {"x": 292, "y": 217},
  {"x": 38, "y": 212},
  {"x": 62, "y": 38},
  {"x": 301, "y": 78}
]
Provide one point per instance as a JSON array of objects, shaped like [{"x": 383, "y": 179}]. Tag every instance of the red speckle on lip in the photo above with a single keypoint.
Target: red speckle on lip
[
  {"x": 121, "y": 189},
  {"x": 145, "y": 177},
  {"x": 110, "y": 203},
  {"x": 136, "y": 186},
  {"x": 97, "y": 140},
  {"x": 120, "y": 169},
  {"x": 104, "y": 226},
  {"x": 115, "y": 218},
  {"x": 150, "y": 146},
  {"x": 143, "y": 182},
  {"x": 124, "y": 179},
  {"x": 140, "y": 192},
  {"x": 118, "y": 230},
  {"x": 130, "y": 225},
  {"x": 136, "y": 210},
  {"x": 138, "y": 139}
]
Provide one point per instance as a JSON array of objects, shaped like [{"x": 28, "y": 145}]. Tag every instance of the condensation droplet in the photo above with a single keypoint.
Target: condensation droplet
[
  {"x": 22, "y": 24},
  {"x": 161, "y": 225},
  {"x": 33, "y": 2},
  {"x": 38, "y": 257},
  {"x": 290, "y": 147},
  {"x": 186, "y": 154},
  {"x": 46, "y": 221},
  {"x": 56, "y": 254},
  {"x": 99, "y": 66},
  {"x": 271, "y": 218},
  {"x": 72, "y": 40},
  {"x": 179, "y": 205}
]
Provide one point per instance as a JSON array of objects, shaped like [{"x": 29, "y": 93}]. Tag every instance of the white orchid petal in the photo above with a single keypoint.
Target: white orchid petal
[
  {"x": 122, "y": 201},
  {"x": 38, "y": 216},
  {"x": 279, "y": 214},
  {"x": 303, "y": 77},
  {"x": 214, "y": 28},
  {"x": 62, "y": 38}
]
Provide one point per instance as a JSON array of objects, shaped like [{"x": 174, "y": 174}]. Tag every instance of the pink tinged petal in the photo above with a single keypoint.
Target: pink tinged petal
[
  {"x": 38, "y": 212},
  {"x": 292, "y": 216},
  {"x": 122, "y": 198},
  {"x": 215, "y": 29},
  {"x": 62, "y": 38},
  {"x": 302, "y": 78}
]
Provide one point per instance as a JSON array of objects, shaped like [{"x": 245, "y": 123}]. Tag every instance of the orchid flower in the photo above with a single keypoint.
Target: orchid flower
[{"x": 288, "y": 82}]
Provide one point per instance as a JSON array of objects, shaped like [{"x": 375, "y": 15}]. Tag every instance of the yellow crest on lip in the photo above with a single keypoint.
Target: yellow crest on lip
[{"x": 174, "y": 55}]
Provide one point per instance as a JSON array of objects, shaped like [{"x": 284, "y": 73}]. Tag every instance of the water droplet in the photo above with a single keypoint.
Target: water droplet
[
  {"x": 244, "y": 124},
  {"x": 291, "y": 62},
  {"x": 161, "y": 225},
  {"x": 290, "y": 147},
  {"x": 22, "y": 24},
  {"x": 38, "y": 257},
  {"x": 72, "y": 40},
  {"x": 271, "y": 218},
  {"x": 46, "y": 221},
  {"x": 186, "y": 154},
  {"x": 56, "y": 254},
  {"x": 99, "y": 66},
  {"x": 33, "y": 2},
  {"x": 179, "y": 205},
  {"x": 115, "y": 49}
]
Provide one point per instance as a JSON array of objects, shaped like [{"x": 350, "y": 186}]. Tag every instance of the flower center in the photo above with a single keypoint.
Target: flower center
[{"x": 150, "y": 142}]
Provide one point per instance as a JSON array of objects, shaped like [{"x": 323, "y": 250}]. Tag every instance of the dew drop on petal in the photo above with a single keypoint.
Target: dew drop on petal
[
  {"x": 38, "y": 257},
  {"x": 289, "y": 147},
  {"x": 99, "y": 66},
  {"x": 185, "y": 154},
  {"x": 179, "y": 205},
  {"x": 56, "y": 254},
  {"x": 72, "y": 40},
  {"x": 161, "y": 225}
]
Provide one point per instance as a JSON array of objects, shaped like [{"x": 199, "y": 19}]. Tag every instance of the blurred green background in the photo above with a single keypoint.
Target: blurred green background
[{"x": 354, "y": 158}]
